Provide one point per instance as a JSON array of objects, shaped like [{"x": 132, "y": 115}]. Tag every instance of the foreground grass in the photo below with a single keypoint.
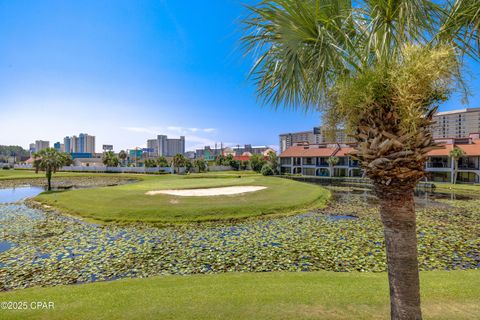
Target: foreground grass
[
  {"x": 309, "y": 295},
  {"x": 129, "y": 203}
]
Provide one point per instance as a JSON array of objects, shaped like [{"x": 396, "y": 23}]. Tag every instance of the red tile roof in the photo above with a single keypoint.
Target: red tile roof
[
  {"x": 469, "y": 149},
  {"x": 441, "y": 152},
  {"x": 472, "y": 149},
  {"x": 308, "y": 151},
  {"x": 241, "y": 158},
  {"x": 343, "y": 152}
]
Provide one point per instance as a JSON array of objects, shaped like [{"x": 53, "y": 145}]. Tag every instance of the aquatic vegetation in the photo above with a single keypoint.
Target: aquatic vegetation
[
  {"x": 51, "y": 249},
  {"x": 68, "y": 182}
]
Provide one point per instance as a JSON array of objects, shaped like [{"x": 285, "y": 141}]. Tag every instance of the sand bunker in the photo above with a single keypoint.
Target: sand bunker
[{"x": 207, "y": 191}]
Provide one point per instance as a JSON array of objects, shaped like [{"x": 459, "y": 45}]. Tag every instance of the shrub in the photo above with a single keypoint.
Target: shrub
[
  {"x": 257, "y": 162},
  {"x": 267, "y": 170}
]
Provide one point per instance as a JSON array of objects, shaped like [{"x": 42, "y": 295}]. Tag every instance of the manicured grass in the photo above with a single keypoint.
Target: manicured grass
[
  {"x": 457, "y": 187},
  {"x": 128, "y": 203},
  {"x": 309, "y": 295}
]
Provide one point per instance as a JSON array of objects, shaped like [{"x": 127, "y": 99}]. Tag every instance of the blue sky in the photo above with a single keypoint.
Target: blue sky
[{"x": 126, "y": 71}]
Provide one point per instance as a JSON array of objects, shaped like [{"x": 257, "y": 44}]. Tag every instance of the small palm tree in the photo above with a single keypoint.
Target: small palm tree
[
  {"x": 49, "y": 160},
  {"x": 200, "y": 164},
  {"x": 122, "y": 155},
  {"x": 178, "y": 161},
  {"x": 378, "y": 68},
  {"x": 456, "y": 154},
  {"x": 273, "y": 161},
  {"x": 110, "y": 159},
  {"x": 162, "y": 162},
  {"x": 332, "y": 162}
]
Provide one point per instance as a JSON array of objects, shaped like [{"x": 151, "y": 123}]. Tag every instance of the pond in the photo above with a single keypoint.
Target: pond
[
  {"x": 46, "y": 248},
  {"x": 19, "y": 193}
]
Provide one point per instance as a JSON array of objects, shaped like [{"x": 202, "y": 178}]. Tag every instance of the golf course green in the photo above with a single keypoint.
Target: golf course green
[
  {"x": 280, "y": 295},
  {"x": 132, "y": 203}
]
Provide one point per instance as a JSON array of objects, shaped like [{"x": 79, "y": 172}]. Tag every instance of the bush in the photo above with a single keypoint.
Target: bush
[
  {"x": 235, "y": 164},
  {"x": 267, "y": 170},
  {"x": 257, "y": 162}
]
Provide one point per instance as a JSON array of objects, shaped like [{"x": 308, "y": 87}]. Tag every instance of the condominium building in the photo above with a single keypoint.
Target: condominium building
[
  {"x": 59, "y": 146},
  {"x": 40, "y": 145},
  {"x": 456, "y": 123},
  {"x": 209, "y": 153},
  {"x": 152, "y": 146},
  {"x": 312, "y": 160},
  {"x": 163, "y": 146},
  {"x": 84, "y": 143},
  {"x": 315, "y": 136}
]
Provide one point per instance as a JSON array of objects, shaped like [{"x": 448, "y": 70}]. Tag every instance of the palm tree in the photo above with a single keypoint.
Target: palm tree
[
  {"x": 273, "y": 161},
  {"x": 110, "y": 159},
  {"x": 456, "y": 154},
  {"x": 332, "y": 162},
  {"x": 200, "y": 164},
  {"x": 178, "y": 161},
  {"x": 378, "y": 68},
  {"x": 49, "y": 160},
  {"x": 122, "y": 155},
  {"x": 162, "y": 162}
]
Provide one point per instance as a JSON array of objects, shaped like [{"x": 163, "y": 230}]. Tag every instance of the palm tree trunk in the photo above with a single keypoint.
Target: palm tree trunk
[
  {"x": 49, "y": 180},
  {"x": 397, "y": 210},
  {"x": 455, "y": 170}
]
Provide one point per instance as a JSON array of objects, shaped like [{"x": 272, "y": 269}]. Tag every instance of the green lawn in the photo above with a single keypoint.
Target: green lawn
[
  {"x": 309, "y": 295},
  {"x": 128, "y": 203},
  {"x": 457, "y": 187}
]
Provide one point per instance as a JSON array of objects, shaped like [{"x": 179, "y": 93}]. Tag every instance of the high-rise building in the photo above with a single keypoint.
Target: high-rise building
[
  {"x": 163, "y": 146},
  {"x": 40, "y": 145},
  {"x": 152, "y": 146},
  {"x": 59, "y": 146},
  {"x": 67, "y": 142},
  {"x": 175, "y": 146},
  {"x": 315, "y": 136},
  {"x": 84, "y": 143},
  {"x": 75, "y": 145},
  {"x": 456, "y": 123}
]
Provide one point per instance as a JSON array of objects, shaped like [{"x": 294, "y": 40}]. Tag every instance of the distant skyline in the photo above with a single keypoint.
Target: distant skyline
[{"x": 126, "y": 71}]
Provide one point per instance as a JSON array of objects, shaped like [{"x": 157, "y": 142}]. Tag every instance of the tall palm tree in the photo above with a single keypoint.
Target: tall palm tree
[
  {"x": 377, "y": 68},
  {"x": 455, "y": 154},
  {"x": 49, "y": 160}
]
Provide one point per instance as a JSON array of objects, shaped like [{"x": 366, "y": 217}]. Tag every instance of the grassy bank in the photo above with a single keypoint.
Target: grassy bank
[
  {"x": 310, "y": 295},
  {"x": 30, "y": 174},
  {"x": 130, "y": 202}
]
